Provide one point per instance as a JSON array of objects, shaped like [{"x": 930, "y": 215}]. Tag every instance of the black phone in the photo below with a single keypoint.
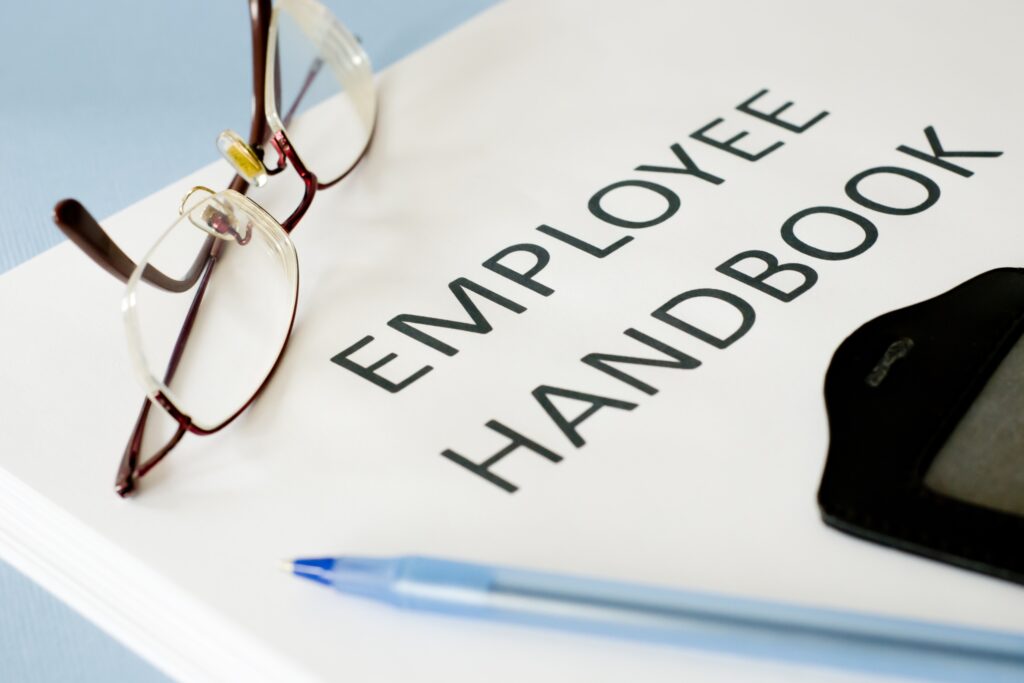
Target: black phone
[{"x": 926, "y": 419}]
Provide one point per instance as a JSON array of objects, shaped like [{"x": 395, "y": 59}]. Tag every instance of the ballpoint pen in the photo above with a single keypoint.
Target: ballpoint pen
[{"x": 697, "y": 619}]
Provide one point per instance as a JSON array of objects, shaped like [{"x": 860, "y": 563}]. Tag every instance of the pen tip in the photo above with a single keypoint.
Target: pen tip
[{"x": 287, "y": 566}]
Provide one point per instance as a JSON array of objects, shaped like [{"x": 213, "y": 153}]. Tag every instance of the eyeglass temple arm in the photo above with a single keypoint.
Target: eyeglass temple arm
[
  {"x": 129, "y": 470},
  {"x": 81, "y": 228},
  {"x": 259, "y": 131},
  {"x": 75, "y": 221}
]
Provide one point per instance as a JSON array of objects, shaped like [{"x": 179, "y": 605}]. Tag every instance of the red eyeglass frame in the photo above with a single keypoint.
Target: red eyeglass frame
[{"x": 81, "y": 228}]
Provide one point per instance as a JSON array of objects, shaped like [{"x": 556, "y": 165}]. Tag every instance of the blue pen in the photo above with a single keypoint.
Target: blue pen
[{"x": 732, "y": 624}]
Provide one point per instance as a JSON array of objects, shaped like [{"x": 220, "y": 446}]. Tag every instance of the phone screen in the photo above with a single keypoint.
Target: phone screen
[{"x": 982, "y": 462}]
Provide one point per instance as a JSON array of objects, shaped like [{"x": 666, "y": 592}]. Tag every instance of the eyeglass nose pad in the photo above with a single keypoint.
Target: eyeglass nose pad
[
  {"x": 188, "y": 203},
  {"x": 242, "y": 157},
  {"x": 221, "y": 221}
]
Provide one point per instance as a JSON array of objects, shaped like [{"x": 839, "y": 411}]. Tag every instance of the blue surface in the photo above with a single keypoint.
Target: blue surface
[{"x": 107, "y": 102}]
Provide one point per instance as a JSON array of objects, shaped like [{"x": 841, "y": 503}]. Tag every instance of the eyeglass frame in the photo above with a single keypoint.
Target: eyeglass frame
[{"x": 75, "y": 221}]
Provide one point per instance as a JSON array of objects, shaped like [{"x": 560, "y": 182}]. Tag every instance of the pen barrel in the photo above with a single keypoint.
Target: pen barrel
[{"x": 736, "y": 625}]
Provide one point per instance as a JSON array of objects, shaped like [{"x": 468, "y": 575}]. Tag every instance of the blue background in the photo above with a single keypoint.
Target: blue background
[{"x": 108, "y": 102}]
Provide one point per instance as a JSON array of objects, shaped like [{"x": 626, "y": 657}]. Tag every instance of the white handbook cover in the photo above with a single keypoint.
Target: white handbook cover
[{"x": 579, "y": 117}]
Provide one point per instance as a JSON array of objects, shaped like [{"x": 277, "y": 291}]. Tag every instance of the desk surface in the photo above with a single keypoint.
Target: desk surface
[{"x": 108, "y": 102}]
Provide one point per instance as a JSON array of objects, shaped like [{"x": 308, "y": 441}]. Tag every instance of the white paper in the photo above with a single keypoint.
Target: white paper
[{"x": 516, "y": 120}]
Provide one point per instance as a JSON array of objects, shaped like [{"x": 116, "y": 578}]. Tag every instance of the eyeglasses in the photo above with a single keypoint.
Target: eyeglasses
[{"x": 209, "y": 309}]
